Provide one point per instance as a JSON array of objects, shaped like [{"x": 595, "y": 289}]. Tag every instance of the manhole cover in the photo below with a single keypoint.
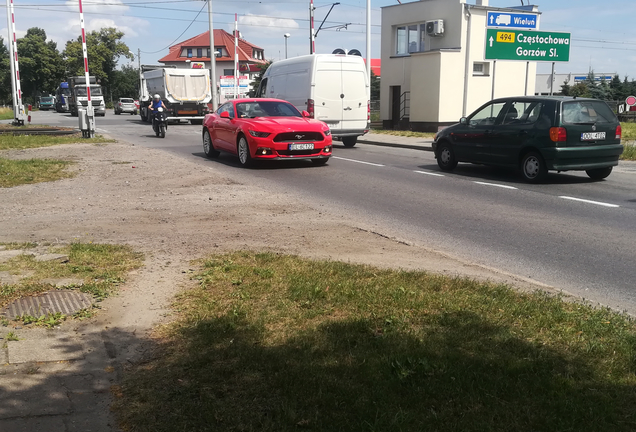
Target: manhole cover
[{"x": 66, "y": 302}]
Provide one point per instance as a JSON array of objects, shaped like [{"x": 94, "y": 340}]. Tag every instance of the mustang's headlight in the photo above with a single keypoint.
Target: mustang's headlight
[
  {"x": 259, "y": 134},
  {"x": 327, "y": 132}
]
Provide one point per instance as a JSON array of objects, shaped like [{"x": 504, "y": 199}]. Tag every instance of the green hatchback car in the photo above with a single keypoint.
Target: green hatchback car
[{"x": 535, "y": 134}]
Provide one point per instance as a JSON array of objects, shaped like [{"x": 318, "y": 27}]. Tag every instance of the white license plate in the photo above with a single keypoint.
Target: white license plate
[
  {"x": 592, "y": 136},
  {"x": 304, "y": 146}
]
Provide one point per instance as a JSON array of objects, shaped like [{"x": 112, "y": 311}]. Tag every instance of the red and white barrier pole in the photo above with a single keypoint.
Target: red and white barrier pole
[
  {"x": 89, "y": 125},
  {"x": 29, "y": 117},
  {"x": 18, "y": 108}
]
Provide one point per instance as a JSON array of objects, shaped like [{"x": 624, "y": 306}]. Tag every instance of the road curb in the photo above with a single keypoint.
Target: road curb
[{"x": 397, "y": 145}]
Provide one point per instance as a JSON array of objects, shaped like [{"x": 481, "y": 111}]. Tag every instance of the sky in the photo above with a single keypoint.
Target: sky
[{"x": 603, "y": 36}]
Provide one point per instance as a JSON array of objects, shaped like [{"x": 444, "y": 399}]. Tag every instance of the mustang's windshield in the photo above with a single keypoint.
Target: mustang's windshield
[{"x": 266, "y": 109}]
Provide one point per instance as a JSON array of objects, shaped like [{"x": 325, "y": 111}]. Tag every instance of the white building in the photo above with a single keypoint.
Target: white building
[{"x": 434, "y": 69}]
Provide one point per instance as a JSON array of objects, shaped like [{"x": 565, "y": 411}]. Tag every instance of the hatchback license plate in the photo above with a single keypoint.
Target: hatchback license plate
[
  {"x": 307, "y": 146},
  {"x": 592, "y": 136}
]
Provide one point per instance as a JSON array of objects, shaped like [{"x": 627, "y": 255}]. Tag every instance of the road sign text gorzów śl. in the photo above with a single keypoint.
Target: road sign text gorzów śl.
[{"x": 509, "y": 44}]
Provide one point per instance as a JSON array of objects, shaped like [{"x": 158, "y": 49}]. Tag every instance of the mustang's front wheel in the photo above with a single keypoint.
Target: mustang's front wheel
[
  {"x": 208, "y": 146},
  {"x": 243, "y": 150}
]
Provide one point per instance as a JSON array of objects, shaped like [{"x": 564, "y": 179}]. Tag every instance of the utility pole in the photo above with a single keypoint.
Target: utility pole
[
  {"x": 236, "y": 62},
  {"x": 212, "y": 59},
  {"x": 369, "y": 47},
  {"x": 312, "y": 36}
]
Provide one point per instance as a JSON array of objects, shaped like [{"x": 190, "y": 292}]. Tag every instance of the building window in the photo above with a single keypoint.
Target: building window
[
  {"x": 481, "y": 69},
  {"x": 413, "y": 39},
  {"x": 410, "y": 39},
  {"x": 228, "y": 72},
  {"x": 401, "y": 41},
  {"x": 199, "y": 52},
  {"x": 189, "y": 52},
  {"x": 222, "y": 51}
]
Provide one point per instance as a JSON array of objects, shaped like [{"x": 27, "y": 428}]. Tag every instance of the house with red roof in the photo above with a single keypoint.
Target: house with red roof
[{"x": 195, "y": 53}]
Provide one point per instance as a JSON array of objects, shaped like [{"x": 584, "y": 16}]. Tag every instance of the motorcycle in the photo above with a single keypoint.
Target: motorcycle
[{"x": 159, "y": 122}]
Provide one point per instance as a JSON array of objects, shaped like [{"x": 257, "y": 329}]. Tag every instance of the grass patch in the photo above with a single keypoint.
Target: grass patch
[
  {"x": 628, "y": 130},
  {"x": 278, "y": 343},
  {"x": 6, "y": 113},
  {"x": 29, "y": 171},
  {"x": 629, "y": 151},
  {"x": 16, "y": 245},
  {"x": 404, "y": 133},
  {"x": 8, "y": 141},
  {"x": 101, "y": 268}
]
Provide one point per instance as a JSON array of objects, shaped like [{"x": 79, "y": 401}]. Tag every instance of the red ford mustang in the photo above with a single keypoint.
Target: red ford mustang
[{"x": 269, "y": 129}]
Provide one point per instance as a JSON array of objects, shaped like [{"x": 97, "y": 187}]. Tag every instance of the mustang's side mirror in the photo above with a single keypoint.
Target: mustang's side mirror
[
  {"x": 305, "y": 114},
  {"x": 225, "y": 114},
  {"x": 463, "y": 120}
]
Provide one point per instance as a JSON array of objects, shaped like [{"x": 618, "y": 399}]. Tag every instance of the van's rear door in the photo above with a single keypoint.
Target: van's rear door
[{"x": 340, "y": 94}]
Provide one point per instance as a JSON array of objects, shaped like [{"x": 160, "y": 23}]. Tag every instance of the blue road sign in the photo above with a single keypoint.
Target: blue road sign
[{"x": 512, "y": 20}]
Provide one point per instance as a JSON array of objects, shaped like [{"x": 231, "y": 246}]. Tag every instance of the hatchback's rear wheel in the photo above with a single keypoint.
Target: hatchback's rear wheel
[
  {"x": 599, "y": 173},
  {"x": 533, "y": 167},
  {"x": 446, "y": 157}
]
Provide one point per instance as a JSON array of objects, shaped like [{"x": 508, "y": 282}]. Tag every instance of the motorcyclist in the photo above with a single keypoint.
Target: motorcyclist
[{"x": 156, "y": 103}]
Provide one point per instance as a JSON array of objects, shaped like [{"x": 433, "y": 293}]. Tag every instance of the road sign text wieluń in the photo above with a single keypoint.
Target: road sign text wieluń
[{"x": 509, "y": 44}]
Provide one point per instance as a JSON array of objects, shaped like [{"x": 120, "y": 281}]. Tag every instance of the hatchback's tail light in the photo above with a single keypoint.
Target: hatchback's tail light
[
  {"x": 558, "y": 134},
  {"x": 310, "y": 108},
  {"x": 619, "y": 132}
]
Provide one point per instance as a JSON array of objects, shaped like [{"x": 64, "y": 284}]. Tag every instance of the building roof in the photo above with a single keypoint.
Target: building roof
[
  {"x": 221, "y": 39},
  {"x": 376, "y": 66}
]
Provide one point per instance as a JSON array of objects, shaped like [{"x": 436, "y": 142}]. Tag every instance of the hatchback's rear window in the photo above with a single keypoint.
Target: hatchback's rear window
[
  {"x": 127, "y": 101},
  {"x": 586, "y": 111}
]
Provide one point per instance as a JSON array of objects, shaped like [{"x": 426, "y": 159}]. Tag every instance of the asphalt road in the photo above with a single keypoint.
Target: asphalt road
[{"x": 569, "y": 233}]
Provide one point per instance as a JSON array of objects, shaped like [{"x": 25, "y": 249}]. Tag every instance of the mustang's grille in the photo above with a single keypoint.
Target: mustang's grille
[
  {"x": 299, "y": 152},
  {"x": 298, "y": 136}
]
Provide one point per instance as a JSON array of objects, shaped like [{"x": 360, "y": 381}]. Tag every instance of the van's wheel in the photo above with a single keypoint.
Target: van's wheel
[
  {"x": 446, "y": 157},
  {"x": 208, "y": 146},
  {"x": 349, "y": 141},
  {"x": 243, "y": 150},
  {"x": 599, "y": 173},
  {"x": 533, "y": 168}
]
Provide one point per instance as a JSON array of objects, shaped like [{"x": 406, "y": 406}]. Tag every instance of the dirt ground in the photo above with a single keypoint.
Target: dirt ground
[{"x": 174, "y": 211}]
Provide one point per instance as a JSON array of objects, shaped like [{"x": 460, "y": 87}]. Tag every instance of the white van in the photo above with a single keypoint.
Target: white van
[{"x": 333, "y": 88}]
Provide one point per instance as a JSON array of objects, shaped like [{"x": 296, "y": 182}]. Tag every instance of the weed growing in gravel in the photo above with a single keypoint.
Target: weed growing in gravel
[
  {"x": 12, "y": 337},
  {"x": 49, "y": 320},
  {"x": 19, "y": 172},
  {"x": 99, "y": 269}
]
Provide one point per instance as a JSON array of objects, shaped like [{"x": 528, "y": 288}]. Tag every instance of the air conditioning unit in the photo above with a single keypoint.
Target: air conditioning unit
[{"x": 435, "y": 27}]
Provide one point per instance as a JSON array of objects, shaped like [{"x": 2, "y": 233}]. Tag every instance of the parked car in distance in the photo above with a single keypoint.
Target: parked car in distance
[
  {"x": 535, "y": 134},
  {"x": 265, "y": 129},
  {"x": 126, "y": 105},
  {"x": 46, "y": 103}
]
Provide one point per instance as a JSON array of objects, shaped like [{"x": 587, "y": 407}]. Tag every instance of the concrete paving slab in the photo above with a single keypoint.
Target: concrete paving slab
[
  {"x": 44, "y": 350},
  {"x": 52, "y": 257},
  {"x": 32, "y": 395},
  {"x": 6, "y": 255},
  {"x": 49, "y": 424}
]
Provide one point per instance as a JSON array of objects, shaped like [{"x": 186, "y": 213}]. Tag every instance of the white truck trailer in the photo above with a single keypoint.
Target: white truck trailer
[{"x": 185, "y": 92}]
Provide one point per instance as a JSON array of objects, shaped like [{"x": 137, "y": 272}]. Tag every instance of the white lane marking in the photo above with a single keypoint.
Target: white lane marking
[
  {"x": 430, "y": 173},
  {"x": 496, "y": 185},
  {"x": 590, "y": 202},
  {"x": 362, "y": 162}
]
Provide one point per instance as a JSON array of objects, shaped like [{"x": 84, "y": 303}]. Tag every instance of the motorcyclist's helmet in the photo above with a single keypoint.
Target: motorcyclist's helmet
[{"x": 156, "y": 97}]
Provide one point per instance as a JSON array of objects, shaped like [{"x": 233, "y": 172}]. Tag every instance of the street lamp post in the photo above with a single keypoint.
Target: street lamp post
[{"x": 287, "y": 35}]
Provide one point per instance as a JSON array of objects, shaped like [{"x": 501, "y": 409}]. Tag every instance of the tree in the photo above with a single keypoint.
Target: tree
[
  {"x": 5, "y": 74},
  {"x": 104, "y": 48},
  {"x": 375, "y": 87},
  {"x": 257, "y": 79},
  {"x": 41, "y": 65},
  {"x": 126, "y": 82}
]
